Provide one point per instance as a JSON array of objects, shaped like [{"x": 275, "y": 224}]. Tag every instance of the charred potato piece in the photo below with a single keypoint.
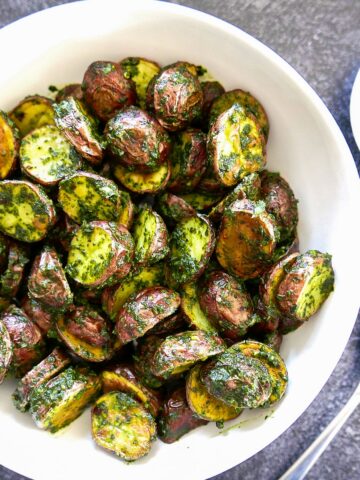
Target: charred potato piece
[
  {"x": 201, "y": 201},
  {"x": 226, "y": 302},
  {"x": 205, "y": 405},
  {"x": 173, "y": 208},
  {"x": 26, "y": 213},
  {"x": 137, "y": 140},
  {"x": 272, "y": 360},
  {"x": 47, "y": 282},
  {"x": 85, "y": 197},
  {"x": 211, "y": 91},
  {"x": 170, "y": 325},
  {"x": 246, "y": 100},
  {"x": 100, "y": 254},
  {"x": 246, "y": 239},
  {"x": 306, "y": 285},
  {"x": 123, "y": 378},
  {"x": 27, "y": 341},
  {"x": 106, "y": 89},
  {"x": 6, "y": 350},
  {"x": 141, "y": 182},
  {"x": 177, "y": 418},
  {"x": 72, "y": 90},
  {"x": 192, "y": 243},
  {"x": 193, "y": 312},
  {"x": 80, "y": 129},
  {"x": 32, "y": 112},
  {"x": 46, "y": 156},
  {"x": 235, "y": 146},
  {"x": 59, "y": 401},
  {"x": 143, "y": 311},
  {"x": 38, "y": 314},
  {"x": 122, "y": 425},
  {"x": 141, "y": 71},
  {"x": 10, "y": 280},
  {"x": 44, "y": 371},
  {"x": 146, "y": 348},
  {"x": 280, "y": 202},
  {"x": 188, "y": 160},
  {"x": 177, "y": 96},
  {"x": 150, "y": 238},
  {"x": 113, "y": 298},
  {"x": 87, "y": 334},
  {"x": 249, "y": 187},
  {"x": 237, "y": 380},
  {"x": 177, "y": 353},
  {"x": 9, "y": 145}
]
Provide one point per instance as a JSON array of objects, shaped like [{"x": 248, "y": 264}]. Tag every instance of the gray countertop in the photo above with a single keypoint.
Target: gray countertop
[{"x": 320, "y": 39}]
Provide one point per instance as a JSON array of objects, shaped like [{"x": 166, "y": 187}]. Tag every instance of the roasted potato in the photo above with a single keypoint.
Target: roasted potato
[
  {"x": 173, "y": 324},
  {"x": 100, "y": 254},
  {"x": 177, "y": 418},
  {"x": 192, "y": 243},
  {"x": 80, "y": 129},
  {"x": 122, "y": 425},
  {"x": 174, "y": 208},
  {"x": 246, "y": 239},
  {"x": 144, "y": 354},
  {"x": 53, "y": 364},
  {"x": 289, "y": 324},
  {"x": 26, "y": 212},
  {"x": 6, "y": 350},
  {"x": 46, "y": 156},
  {"x": 227, "y": 304},
  {"x": 177, "y": 353},
  {"x": 273, "y": 340},
  {"x": 59, "y": 401},
  {"x": 306, "y": 285},
  {"x": 211, "y": 91},
  {"x": 9, "y": 145},
  {"x": 141, "y": 71},
  {"x": 144, "y": 310},
  {"x": 72, "y": 90},
  {"x": 137, "y": 140},
  {"x": 235, "y": 146},
  {"x": 192, "y": 310},
  {"x": 106, "y": 89},
  {"x": 188, "y": 160},
  {"x": 140, "y": 182},
  {"x": 201, "y": 201},
  {"x": 63, "y": 232},
  {"x": 33, "y": 112},
  {"x": 38, "y": 314},
  {"x": 10, "y": 280}
]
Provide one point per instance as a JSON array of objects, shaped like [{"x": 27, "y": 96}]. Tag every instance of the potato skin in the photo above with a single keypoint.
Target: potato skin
[
  {"x": 6, "y": 350},
  {"x": 177, "y": 418},
  {"x": 106, "y": 89},
  {"x": 173, "y": 324},
  {"x": 143, "y": 311},
  {"x": 9, "y": 145},
  {"x": 174, "y": 208},
  {"x": 43, "y": 318},
  {"x": 226, "y": 302},
  {"x": 145, "y": 351},
  {"x": 10, "y": 280},
  {"x": 72, "y": 90},
  {"x": 211, "y": 91},
  {"x": 137, "y": 140}
]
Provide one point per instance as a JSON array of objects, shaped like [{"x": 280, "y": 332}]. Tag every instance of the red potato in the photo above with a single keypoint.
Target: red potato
[
  {"x": 144, "y": 353},
  {"x": 6, "y": 350},
  {"x": 72, "y": 90},
  {"x": 9, "y": 145},
  {"x": 43, "y": 318},
  {"x": 173, "y": 208},
  {"x": 10, "y": 281},
  {"x": 211, "y": 91},
  {"x": 170, "y": 325}
]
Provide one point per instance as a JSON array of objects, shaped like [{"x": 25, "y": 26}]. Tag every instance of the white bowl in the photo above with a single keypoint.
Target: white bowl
[{"x": 306, "y": 146}]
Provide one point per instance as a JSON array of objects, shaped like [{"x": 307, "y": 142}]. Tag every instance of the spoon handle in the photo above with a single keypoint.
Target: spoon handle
[{"x": 304, "y": 463}]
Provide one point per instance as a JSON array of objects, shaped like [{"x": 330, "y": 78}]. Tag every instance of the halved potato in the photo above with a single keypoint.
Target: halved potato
[
  {"x": 192, "y": 243},
  {"x": 47, "y": 157},
  {"x": 53, "y": 364},
  {"x": 59, "y": 401},
  {"x": 246, "y": 239},
  {"x": 122, "y": 425},
  {"x": 141, "y": 182},
  {"x": 144, "y": 354},
  {"x": 201, "y": 201},
  {"x": 205, "y": 405},
  {"x": 173, "y": 324},
  {"x": 144, "y": 310},
  {"x": 150, "y": 237},
  {"x": 47, "y": 282},
  {"x": 193, "y": 312},
  {"x": 235, "y": 146},
  {"x": 173, "y": 208},
  {"x": 123, "y": 378},
  {"x": 306, "y": 285},
  {"x": 70, "y": 90},
  {"x": 211, "y": 91},
  {"x": 273, "y": 340},
  {"x": 10, "y": 280},
  {"x": 32, "y": 112},
  {"x": 80, "y": 129},
  {"x": 141, "y": 71},
  {"x": 9, "y": 145},
  {"x": 177, "y": 353},
  {"x": 177, "y": 418},
  {"x": 26, "y": 213},
  {"x": 6, "y": 350},
  {"x": 43, "y": 317},
  {"x": 100, "y": 254}
]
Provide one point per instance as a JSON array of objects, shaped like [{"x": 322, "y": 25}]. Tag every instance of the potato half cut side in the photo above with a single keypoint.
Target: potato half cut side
[
  {"x": 32, "y": 112},
  {"x": 141, "y": 182},
  {"x": 9, "y": 145},
  {"x": 201, "y": 201},
  {"x": 205, "y": 405},
  {"x": 122, "y": 425},
  {"x": 26, "y": 212},
  {"x": 193, "y": 312},
  {"x": 59, "y": 401},
  {"x": 140, "y": 71}
]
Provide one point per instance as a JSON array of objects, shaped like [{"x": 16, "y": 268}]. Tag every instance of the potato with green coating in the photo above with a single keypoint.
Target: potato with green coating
[
  {"x": 201, "y": 201},
  {"x": 6, "y": 350},
  {"x": 143, "y": 182},
  {"x": 143, "y": 311},
  {"x": 141, "y": 71},
  {"x": 9, "y": 145},
  {"x": 177, "y": 97},
  {"x": 211, "y": 91},
  {"x": 174, "y": 208},
  {"x": 173, "y": 324},
  {"x": 144, "y": 354},
  {"x": 177, "y": 353},
  {"x": 188, "y": 160},
  {"x": 33, "y": 112},
  {"x": 106, "y": 89},
  {"x": 10, "y": 280},
  {"x": 43, "y": 317},
  {"x": 192, "y": 310},
  {"x": 306, "y": 285},
  {"x": 100, "y": 254},
  {"x": 71, "y": 90},
  {"x": 137, "y": 140},
  {"x": 177, "y": 418}
]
